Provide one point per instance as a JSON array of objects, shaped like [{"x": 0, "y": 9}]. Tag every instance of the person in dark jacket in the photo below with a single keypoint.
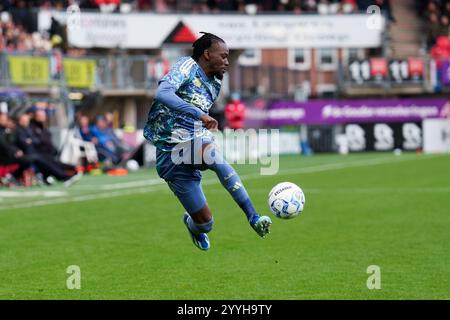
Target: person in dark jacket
[
  {"x": 9, "y": 153},
  {"x": 43, "y": 143},
  {"x": 27, "y": 141}
]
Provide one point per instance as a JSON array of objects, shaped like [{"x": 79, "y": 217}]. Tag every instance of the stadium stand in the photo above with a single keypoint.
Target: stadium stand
[
  {"x": 197, "y": 6},
  {"x": 436, "y": 14}
]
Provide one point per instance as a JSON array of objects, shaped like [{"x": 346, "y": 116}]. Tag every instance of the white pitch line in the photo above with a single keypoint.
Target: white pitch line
[
  {"x": 83, "y": 198},
  {"x": 131, "y": 184},
  {"x": 17, "y": 194},
  {"x": 155, "y": 186},
  {"x": 310, "y": 169}
]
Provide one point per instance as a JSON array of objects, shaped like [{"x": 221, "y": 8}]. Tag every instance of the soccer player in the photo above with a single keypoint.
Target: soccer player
[{"x": 178, "y": 118}]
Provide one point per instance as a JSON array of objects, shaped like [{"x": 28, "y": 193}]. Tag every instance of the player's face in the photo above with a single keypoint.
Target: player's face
[{"x": 218, "y": 59}]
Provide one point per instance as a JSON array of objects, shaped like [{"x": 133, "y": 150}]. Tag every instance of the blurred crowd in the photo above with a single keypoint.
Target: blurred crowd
[
  {"x": 15, "y": 37},
  {"x": 28, "y": 153},
  {"x": 19, "y": 31},
  {"x": 201, "y": 6},
  {"x": 437, "y": 16}
]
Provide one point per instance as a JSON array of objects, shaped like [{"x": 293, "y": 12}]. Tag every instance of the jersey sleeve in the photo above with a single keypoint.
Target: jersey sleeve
[
  {"x": 180, "y": 73},
  {"x": 166, "y": 94}
]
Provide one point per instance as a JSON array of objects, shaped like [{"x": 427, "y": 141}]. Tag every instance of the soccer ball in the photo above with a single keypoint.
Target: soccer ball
[
  {"x": 286, "y": 200},
  {"x": 132, "y": 165}
]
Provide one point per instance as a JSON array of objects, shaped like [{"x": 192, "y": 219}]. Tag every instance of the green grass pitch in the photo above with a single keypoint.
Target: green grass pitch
[{"x": 127, "y": 237}]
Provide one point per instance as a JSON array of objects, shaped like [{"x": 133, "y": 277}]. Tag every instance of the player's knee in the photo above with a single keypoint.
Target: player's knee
[{"x": 206, "y": 227}]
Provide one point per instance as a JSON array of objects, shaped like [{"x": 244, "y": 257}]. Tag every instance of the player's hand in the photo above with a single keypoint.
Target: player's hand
[{"x": 209, "y": 122}]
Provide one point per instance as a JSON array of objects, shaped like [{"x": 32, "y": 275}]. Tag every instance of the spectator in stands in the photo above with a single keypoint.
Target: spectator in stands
[
  {"x": 5, "y": 5},
  {"x": 296, "y": 7},
  {"x": 441, "y": 50},
  {"x": 22, "y": 12},
  {"x": 444, "y": 28},
  {"x": 27, "y": 142},
  {"x": 437, "y": 14},
  {"x": 431, "y": 8},
  {"x": 446, "y": 8},
  {"x": 38, "y": 126},
  {"x": 106, "y": 149},
  {"x": 144, "y": 5},
  {"x": 201, "y": 6},
  {"x": 9, "y": 153},
  {"x": 433, "y": 29},
  {"x": 44, "y": 146},
  {"x": 217, "y": 5},
  {"x": 309, "y": 6},
  {"x": 22, "y": 15},
  {"x": 15, "y": 36},
  {"x": 235, "y": 113},
  {"x": 85, "y": 130},
  {"x": 440, "y": 53},
  {"x": 25, "y": 138},
  {"x": 348, "y": 6},
  {"x": 120, "y": 145}
]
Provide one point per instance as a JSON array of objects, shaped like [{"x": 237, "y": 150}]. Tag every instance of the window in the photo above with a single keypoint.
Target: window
[
  {"x": 250, "y": 57},
  {"x": 299, "y": 59},
  {"x": 326, "y": 59},
  {"x": 352, "y": 54}
]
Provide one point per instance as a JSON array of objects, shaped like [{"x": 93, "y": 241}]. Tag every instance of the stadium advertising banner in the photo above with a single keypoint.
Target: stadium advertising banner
[
  {"x": 80, "y": 73},
  {"x": 28, "y": 70},
  {"x": 384, "y": 136},
  {"x": 445, "y": 73},
  {"x": 281, "y": 113},
  {"x": 87, "y": 30},
  {"x": 379, "y": 70}
]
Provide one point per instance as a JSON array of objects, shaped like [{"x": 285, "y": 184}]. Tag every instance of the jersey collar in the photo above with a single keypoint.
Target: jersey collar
[{"x": 203, "y": 74}]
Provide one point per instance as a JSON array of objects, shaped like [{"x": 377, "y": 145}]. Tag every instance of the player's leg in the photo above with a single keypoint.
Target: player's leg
[
  {"x": 197, "y": 218},
  {"x": 202, "y": 216},
  {"x": 229, "y": 178}
]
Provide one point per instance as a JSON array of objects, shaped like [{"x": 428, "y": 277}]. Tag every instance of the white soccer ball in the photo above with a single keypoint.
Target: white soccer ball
[
  {"x": 132, "y": 165},
  {"x": 286, "y": 200}
]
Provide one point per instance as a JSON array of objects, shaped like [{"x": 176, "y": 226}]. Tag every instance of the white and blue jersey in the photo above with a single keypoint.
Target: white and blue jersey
[{"x": 183, "y": 96}]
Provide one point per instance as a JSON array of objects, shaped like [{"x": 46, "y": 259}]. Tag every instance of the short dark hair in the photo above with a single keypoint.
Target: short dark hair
[{"x": 203, "y": 43}]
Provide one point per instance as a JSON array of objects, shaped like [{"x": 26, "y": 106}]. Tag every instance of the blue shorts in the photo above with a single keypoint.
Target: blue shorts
[
  {"x": 190, "y": 194},
  {"x": 183, "y": 179}
]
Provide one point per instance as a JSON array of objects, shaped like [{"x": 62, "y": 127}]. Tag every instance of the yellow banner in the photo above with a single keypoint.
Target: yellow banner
[
  {"x": 80, "y": 73},
  {"x": 29, "y": 70}
]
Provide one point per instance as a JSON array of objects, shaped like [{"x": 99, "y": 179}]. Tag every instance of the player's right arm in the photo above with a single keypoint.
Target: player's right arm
[
  {"x": 180, "y": 74},
  {"x": 166, "y": 94},
  {"x": 209, "y": 122}
]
